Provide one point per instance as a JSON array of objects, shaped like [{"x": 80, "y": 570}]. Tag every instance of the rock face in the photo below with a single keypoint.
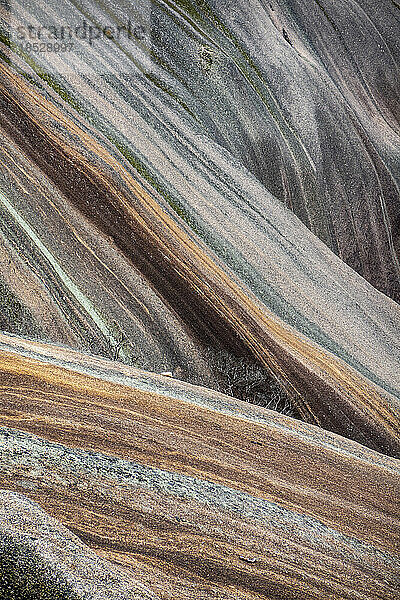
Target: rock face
[
  {"x": 145, "y": 201},
  {"x": 280, "y": 294},
  {"x": 42, "y": 559},
  {"x": 199, "y": 221},
  {"x": 191, "y": 492}
]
